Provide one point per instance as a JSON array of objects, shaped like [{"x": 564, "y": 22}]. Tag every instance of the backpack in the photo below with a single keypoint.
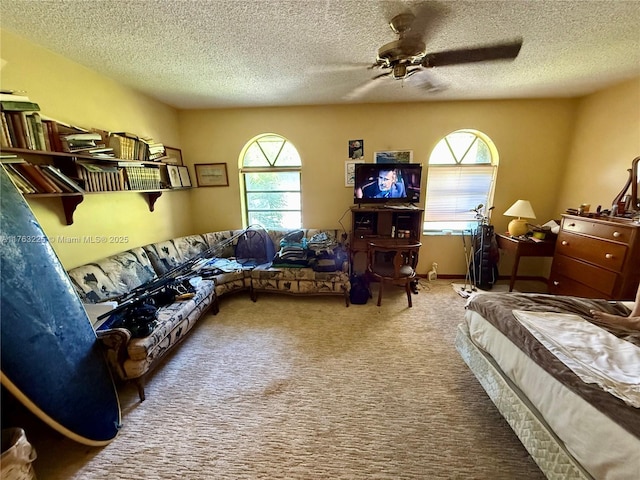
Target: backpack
[
  {"x": 360, "y": 292},
  {"x": 254, "y": 247}
]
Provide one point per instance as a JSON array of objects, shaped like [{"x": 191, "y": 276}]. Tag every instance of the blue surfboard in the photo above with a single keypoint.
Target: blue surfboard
[{"x": 51, "y": 360}]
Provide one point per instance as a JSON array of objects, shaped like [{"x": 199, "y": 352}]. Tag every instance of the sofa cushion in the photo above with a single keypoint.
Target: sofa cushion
[
  {"x": 168, "y": 318},
  {"x": 113, "y": 276},
  {"x": 223, "y": 243},
  {"x": 229, "y": 282},
  {"x": 167, "y": 255},
  {"x": 298, "y": 280}
]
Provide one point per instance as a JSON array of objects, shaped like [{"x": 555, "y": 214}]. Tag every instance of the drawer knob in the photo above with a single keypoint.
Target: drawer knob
[
  {"x": 556, "y": 283},
  {"x": 565, "y": 243},
  {"x": 616, "y": 234},
  {"x": 608, "y": 256},
  {"x": 572, "y": 225}
]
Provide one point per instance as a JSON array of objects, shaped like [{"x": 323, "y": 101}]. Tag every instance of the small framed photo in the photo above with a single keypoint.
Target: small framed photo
[
  {"x": 356, "y": 149},
  {"x": 174, "y": 176},
  {"x": 172, "y": 156},
  {"x": 394, "y": 156},
  {"x": 350, "y": 172},
  {"x": 184, "y": 176},
  {"x": 211, "y": 174}
]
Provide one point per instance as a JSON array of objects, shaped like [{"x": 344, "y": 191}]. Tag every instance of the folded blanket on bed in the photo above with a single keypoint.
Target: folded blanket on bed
[{"x": 592, "y": 353}]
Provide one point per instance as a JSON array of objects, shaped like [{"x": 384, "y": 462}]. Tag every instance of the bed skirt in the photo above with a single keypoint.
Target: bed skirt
[{"x": 543, "y": 445}]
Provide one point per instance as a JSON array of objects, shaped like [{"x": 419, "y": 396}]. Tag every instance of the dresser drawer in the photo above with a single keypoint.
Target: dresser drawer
[
  {"x": 560, "y": 285},
  {"x": 617, "y": 233},
  {"x": 606, "y": 254},
  {"x": 585, "y": 273}
]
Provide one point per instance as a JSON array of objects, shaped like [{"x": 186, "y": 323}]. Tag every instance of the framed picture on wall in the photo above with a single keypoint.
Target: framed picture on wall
[
  {"x": 394, "y": 156},
  {"x": 184, "y": 176},
  {"x": 174, "y": 176},
  {"x": 350, "y": 172},
  {"x": 172, "y": 156},
  {"x": 211, "y": 174}
]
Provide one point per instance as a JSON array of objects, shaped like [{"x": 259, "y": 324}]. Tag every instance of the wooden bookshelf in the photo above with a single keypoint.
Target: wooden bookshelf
[{"x": 69, "y": 163}]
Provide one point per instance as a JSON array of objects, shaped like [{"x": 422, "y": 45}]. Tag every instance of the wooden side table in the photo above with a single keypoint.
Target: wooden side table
[{"x": 524, "y": 248}]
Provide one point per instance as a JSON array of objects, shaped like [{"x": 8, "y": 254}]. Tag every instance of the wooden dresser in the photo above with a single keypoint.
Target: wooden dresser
[{"x": 596, "y": 258}]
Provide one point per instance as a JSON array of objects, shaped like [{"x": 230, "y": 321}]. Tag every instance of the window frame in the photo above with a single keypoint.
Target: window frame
[
  {"x": 270, "y": 167},
  {"x": 461, "y": 222}
]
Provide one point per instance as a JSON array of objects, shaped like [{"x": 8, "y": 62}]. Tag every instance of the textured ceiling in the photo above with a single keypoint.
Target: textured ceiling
[{"x": 240, "y": 53}]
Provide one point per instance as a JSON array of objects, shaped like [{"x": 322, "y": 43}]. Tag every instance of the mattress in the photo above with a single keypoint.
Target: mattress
[
  {"x": 536, "y": 435},
  {"x": 596, "y": 429}
]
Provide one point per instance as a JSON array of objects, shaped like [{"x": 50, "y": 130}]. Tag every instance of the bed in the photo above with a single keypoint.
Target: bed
[{"x": 579, "y": 421}]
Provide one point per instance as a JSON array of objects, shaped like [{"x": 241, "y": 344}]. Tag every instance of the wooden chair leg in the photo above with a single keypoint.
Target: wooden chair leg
[
  {"x": 380, "y": 293},
  {"x": 407, "y": 287}
]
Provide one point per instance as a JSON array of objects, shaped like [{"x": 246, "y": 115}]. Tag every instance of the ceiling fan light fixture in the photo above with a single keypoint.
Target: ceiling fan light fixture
[{"x": 399, "y": 71}]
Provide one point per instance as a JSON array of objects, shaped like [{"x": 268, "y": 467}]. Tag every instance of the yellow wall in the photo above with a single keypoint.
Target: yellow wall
[
  {"x": 74, "y": 94},
  {"x": 606, "y": 140},
  {"x": 555, "y": 152},
  {"x": 530, "y": 135}
]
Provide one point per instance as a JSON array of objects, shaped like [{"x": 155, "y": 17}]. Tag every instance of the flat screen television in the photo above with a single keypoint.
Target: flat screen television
[{"x": 387, "y": 183}]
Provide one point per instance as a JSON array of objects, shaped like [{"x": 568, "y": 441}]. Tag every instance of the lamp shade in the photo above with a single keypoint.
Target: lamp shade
[
  {"x": 522, "y": 208},
  {"x": 518, "y": 226}
]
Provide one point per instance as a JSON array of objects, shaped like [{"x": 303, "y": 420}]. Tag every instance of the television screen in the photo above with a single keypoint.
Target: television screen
[{"x": 387, "y": 183}]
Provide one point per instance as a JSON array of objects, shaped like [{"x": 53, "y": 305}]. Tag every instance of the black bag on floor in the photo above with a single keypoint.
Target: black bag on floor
[{"x": 360, "y": 292}]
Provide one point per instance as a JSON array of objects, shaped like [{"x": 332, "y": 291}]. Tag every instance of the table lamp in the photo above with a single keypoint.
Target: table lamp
[{"x": 521, "y": 209}]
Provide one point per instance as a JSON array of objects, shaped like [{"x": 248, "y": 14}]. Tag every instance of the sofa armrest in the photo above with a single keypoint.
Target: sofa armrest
[{"x": 115, "y": 342}]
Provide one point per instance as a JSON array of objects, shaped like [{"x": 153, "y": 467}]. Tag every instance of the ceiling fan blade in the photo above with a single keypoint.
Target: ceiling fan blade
[
  {"x": 361, "y": 90},
  {"x": 385, "y": 74},
  {"x": 501, "y": 51},
  {"x": 425, "y": 81},
  {"x": 429, "y": 17},
  {"x": 346, "y": 67}
]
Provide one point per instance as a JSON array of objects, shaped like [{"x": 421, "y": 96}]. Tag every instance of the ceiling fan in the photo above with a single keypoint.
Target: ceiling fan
[{"x": 408, "y": 54}]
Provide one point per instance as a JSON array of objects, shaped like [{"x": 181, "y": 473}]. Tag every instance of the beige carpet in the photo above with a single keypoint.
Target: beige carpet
[{"x": 304, "y": 388}]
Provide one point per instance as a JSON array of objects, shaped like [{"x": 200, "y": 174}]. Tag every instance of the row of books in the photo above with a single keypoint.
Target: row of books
[
  {"x": 39, "y": 178},
  {"x": 143, "y": 177},
  {"x": 24, "y": 127},
  {"x": 108, "y": 178},
  {"x": 128, "y": 146},
  {"x": 30, "y": 178}
]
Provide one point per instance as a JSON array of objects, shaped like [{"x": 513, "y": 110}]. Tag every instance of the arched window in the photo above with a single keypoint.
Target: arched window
[
  {"x": 270, "y": 181},
  {"x": 462, "y": 172}
]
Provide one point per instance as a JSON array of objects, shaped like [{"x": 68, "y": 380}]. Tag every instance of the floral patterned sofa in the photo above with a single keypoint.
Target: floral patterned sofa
[{"x": 131, "y": 359}]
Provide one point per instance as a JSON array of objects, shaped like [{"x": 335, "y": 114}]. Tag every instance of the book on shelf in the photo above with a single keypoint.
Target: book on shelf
[
  {"x": 19, "y": 180},
  {"x": 41, "y": 183},
  {"x": 150, "y": 150},
  {"x": 7, "y": 96},
  {"x": 5, "y": 136},
  {"x": 82, "y": 136},
  {"x": 38, "y": 131},
  {"x": 75, "y": 142},
  {"x": 16, "y": 128},
  {"x": 101, "y": 178},
  {"x": 54, "y": 134},
  {"x": 62, "y": 179},
  {"x": 11, "y": 158},
  {"x": 125, "y": 145},
  {"x": 23, "y": 130},
  {"x": 18, "y": 106},
  {"x": 143, "y": 177},
  {"x": 54, "y": 179}
]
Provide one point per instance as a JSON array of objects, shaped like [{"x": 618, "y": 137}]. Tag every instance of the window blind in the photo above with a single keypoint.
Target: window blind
[{"x": 453, "y": 191}]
